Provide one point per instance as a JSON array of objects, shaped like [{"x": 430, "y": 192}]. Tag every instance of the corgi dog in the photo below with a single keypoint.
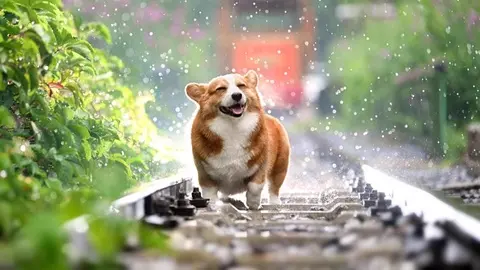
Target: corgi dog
[{"x": 236, "y": 146}]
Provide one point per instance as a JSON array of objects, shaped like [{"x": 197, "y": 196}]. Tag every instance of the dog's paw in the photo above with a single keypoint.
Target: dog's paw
[
  {"x": 253, "y": 202},
  {"x": 214, "y": 205},
  {"x": 253, "y": 195},
  {"x": 254, "y": 206},
  {"x": 275, "y": 200}
]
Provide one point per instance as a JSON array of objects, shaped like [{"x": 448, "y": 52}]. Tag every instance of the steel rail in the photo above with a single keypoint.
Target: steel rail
[{"x": 420, "y": 202}]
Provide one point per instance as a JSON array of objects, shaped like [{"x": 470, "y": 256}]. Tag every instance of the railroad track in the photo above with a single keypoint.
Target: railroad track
[
  {"x": 468, "y": 192},
  {"x": 371, "y": 221}
]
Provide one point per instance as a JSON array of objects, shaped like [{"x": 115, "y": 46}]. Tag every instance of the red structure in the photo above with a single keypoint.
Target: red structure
[{"x": 273, "y": 37}]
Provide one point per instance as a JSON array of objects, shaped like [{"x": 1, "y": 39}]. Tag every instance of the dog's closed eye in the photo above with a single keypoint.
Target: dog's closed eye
[
  {"x": 221, "y": 88},
  {"x": 240, "y": 85}
]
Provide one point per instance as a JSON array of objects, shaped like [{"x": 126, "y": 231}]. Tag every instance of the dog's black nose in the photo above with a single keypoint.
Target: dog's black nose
[{"x": 237, "y": 96}]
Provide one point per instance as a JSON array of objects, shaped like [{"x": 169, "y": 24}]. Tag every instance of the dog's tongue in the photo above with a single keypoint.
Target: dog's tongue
[{"x": 237, "y": 109}]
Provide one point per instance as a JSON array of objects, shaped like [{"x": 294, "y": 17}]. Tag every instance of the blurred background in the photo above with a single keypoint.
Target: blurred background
[{"x": 405, "y": 70}]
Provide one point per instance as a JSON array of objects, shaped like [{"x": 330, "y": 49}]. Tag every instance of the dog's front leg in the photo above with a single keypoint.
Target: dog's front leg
[
  {"x": 209, "y": 192},
  {"x": 208, "y": 185},
  {"x": 254, "y": 189}
]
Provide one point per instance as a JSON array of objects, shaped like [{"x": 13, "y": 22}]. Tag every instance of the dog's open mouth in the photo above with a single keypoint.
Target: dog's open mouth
[{"x": 235, "y": 110}]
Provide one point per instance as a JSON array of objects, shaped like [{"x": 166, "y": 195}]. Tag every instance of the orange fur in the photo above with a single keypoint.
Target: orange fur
[{"x": 256, "y": 143}]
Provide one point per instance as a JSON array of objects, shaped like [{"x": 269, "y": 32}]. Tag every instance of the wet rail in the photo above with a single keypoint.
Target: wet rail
[{"x": 371, "y": 221}]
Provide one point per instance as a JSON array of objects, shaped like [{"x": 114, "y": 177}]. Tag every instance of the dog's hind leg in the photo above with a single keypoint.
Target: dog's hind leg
[{"x": 277, "y": 175}]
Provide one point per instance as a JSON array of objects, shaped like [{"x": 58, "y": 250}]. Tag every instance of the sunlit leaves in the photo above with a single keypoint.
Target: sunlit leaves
[
  {"x": 49, "y": 8},
  {"x": 63, "y": 146},
  {"x": 9, "y": 6},
  {"x": 83, "y": 48},
  {"x": 87, "y": 150},
  {"x": 80, "y": 130},
  {"x": 6, "y": 119},
  {"x": 77, "y": 94},
  {"x": 97, "y": 30}
]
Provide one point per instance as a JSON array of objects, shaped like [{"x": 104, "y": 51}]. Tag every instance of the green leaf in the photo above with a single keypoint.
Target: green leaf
[
  {"x": 10, "y": 7},
  {"x": 24, "y": 84},
  {"x": 32, "y": 15},
  {"x": 80, "y": 130},
  {"x": 33, "y": 75},
  {"x": 98, "y": 29},
  {"x": 48, "y": 141},
  {"x": 4, "y": 161},
  {"x": 53, "y": 183},
  {"x": 83, "y": 48},
  {"x": 77, "y": 93},
  {"x": 119, "y": 159},
  {"x": 137, "y": 160},
  {"x": 88, "y": 150},
  {"x": 41, "y": 100},
  {"x": 31, "y": 50},
  {"x": 41, "y": 39},
  {"x": 68, "y": 137},
  {"x": 59, "y": 35},
  {"x": 68, "y": 114},
  {"x": 64, "y": 171},
  {"x": 36, "y": 130},
  {"x": 3, "y": 85},
  {"x": 6, "y": 119},
  {"x": 88, "y": 68},
  {"x": 46, "y": 6}
]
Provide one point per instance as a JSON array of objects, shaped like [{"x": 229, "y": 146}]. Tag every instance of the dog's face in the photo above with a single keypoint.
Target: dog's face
[{"x": 229, "y": 95}]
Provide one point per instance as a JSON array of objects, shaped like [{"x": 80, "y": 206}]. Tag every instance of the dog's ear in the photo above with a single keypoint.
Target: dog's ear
[
  {"x": 252, "y": 77},
  {"x": 195, "y": 91}
]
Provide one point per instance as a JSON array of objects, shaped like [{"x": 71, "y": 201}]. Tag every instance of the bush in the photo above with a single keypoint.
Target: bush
[{"x": 71, "y": 134}]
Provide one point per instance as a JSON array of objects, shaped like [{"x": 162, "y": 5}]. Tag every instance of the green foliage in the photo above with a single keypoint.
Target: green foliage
[
  {"x": 371, "y": 64},
  {"x": 41, "y": 244},
  {"x": 165, "y": 45},
  {"x": 456, "y": 142},
  {"x": 72, "y": 136}
]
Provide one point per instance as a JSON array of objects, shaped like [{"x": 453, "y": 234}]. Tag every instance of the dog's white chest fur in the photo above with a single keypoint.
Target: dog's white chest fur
[{"x": 229, "y": 168}]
